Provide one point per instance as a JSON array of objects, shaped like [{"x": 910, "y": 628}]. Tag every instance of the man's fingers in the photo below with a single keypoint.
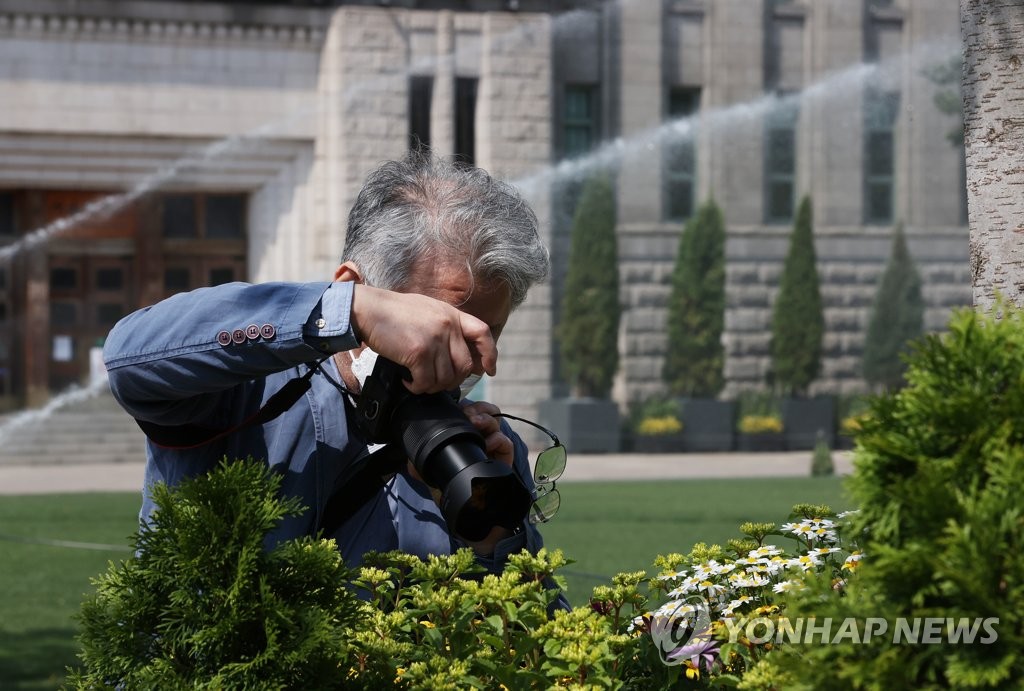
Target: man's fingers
[
  {"x": 500, "y": 447},
  {"x": 477, "y": 337}
]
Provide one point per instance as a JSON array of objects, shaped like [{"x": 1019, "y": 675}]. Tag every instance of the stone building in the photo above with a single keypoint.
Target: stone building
[{"x": 150, "y": 146}]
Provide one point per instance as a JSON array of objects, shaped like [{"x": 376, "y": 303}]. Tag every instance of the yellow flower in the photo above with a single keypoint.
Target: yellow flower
[
  {"x": 429, "y": 624},
  {"x": 665, "y": 424},
  {"x": 692, "y": 672},
  {"x": 758, "y": 424},
  {"x": 853, "y": 424}
]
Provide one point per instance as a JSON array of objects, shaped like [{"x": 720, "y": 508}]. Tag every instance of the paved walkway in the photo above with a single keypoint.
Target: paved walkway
[{"x": 127, "y": 477}]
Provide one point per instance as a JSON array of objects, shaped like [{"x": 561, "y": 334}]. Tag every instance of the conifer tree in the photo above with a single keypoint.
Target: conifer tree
[
  {"x": 897, "y": 317},
  {"x": 696, "y": 308},
  {"x": 798, "y": 322},
  {"x": 203, "y": 604},
  {"x": 588, "y": 333}
]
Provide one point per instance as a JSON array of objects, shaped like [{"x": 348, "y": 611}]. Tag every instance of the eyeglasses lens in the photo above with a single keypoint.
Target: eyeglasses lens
[
  {"x": 545, "y": 506},
  {"x": 550, "y": 465}
]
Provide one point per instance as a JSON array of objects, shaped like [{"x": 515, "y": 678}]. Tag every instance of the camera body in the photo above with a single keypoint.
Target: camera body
[{"x": 477, "y": 492}]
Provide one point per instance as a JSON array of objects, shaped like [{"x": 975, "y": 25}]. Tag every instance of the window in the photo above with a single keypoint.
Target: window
[
  {"x": 109, "y": 313},
  {"x": 679, "y": 165},
  {"x": 880, "y": 110},
  {"x": 109, "y": 279},
  {"x": 780, "y": 162},
  {"x": 62, "y": 278},
  {"x": 579, "y": 120},
  {"x": 221, "y": 276},
  {"x": 204, "y": 216},
  {"x": 179, "y": 216},
  {"x": 465, "y": 119},
  {"x": 6, "y": 213},
  {"x": 63, "y": 314},
  {"x": 176, "y": 280},
  {"x": 421, "y": 94},
  {"x": 224, "y": 216}
]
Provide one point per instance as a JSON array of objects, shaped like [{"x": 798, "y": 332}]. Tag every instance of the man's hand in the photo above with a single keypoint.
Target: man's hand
[
  {"x": 499, "y": 447},
  {"x": 439, "y": 345}
]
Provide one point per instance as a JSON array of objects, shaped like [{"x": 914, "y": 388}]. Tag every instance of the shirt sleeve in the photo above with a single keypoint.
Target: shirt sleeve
[{"x": 170, "y": 363}]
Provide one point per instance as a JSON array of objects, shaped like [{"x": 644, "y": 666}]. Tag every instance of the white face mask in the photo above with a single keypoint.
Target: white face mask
[
  {"x": 471, "y": 381},
  {"x": 362, "y": 367}
]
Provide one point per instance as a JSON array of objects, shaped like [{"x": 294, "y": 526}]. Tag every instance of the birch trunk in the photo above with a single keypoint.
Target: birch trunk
[{"x": 993, "y": 93}]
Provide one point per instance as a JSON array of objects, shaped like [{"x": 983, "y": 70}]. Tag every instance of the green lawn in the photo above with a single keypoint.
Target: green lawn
[
  {"x": 609, "y": 528},
  {"x": 41, "y": 586},
  {"x": 606, "y": 527}
]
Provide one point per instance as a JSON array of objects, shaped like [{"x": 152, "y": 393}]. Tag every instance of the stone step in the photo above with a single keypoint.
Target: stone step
[{"x": 90, "y": 431}]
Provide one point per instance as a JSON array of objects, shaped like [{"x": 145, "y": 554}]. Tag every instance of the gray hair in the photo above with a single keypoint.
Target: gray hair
[{"x": 429, "y": 208}]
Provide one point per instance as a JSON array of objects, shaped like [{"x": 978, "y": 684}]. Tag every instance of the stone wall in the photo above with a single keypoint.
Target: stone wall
[{"x": 822, "y": 49}]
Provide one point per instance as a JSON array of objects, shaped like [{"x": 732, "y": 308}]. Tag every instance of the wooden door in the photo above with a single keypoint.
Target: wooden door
[{"x": 88, "y": 295}]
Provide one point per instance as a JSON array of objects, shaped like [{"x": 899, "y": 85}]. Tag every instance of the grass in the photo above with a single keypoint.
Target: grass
[
  {"x": 41, "y": 586},
  {"x": 606, "y": 527}
]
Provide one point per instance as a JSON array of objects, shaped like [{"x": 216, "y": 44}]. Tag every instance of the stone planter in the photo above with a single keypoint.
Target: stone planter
[
  {"x": 761, "y": 441},
  {"x": 584, "y": 425},
  {"x": 660, "y": 443},
  {"x": 708, "y": 424},
  {"x": 804, "y": 418}
]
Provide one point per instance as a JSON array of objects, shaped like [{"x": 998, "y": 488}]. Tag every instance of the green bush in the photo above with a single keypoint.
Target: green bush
[
  {"x": 939, "y": 476},
  {"x": 821, "y": 461},
  {"x": 696, "y": 310},
  {"x": 897, "y": 317},
  {"x": 589, "y": 328},
  {"x": 204, "y": 605},
  {"x": 798, "y": 322}
]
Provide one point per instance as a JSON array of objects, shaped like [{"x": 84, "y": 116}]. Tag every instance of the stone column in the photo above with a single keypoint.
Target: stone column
[
  {"x": 641, "y": 95},
  {"x": 442, "y": 105}
]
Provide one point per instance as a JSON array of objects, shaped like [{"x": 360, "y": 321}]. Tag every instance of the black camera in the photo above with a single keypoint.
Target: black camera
[{"x": 477, "y": 492}]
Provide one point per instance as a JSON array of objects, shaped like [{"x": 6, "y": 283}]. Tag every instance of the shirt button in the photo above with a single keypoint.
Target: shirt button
[
  {"x": 321, "y": 323},
  {"x": 238, "y": 337},
  {"x": 252, "y": 332},
  {"x": 267, "y": 331},
  {"x": 224, "y": 338}
]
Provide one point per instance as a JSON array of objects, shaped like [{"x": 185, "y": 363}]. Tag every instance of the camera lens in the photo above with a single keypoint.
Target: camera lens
[{"x": 477, "y": 492}]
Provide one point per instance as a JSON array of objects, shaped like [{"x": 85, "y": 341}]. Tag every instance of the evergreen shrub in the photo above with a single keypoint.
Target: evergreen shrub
[
  {"x": 695, "y": 358},
  {"x": 589, "y": 328},
  {"x": 203, "y": 604},
  {"x": 798, "y": 322},
  {"x": 939, "y": 476},
  {"x": 897, "y": 318}
]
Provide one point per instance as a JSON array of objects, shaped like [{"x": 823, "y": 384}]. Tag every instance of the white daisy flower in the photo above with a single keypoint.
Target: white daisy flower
[{"x": 785, "y": 586}]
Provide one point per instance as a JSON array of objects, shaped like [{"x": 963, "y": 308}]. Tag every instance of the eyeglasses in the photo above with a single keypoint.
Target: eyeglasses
[{"x": 549, "y": 467}]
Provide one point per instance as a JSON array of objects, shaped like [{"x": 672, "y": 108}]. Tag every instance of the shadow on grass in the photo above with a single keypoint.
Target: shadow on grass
[{"x": 36, "y": 658}]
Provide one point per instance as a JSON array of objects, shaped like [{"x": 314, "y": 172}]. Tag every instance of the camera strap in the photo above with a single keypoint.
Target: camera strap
[
  {"x": 361, "y": 487},
  {"x": 192, "y": 436}
]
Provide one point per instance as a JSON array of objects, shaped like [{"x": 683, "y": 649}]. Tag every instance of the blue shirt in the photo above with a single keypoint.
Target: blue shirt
[{"x": 212, "y": 358}]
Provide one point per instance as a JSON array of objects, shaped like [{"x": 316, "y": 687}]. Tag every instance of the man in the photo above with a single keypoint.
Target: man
[{"x": 436, "y": 258}]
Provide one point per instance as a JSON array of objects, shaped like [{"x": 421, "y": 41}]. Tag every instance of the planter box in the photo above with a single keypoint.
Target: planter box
[
  {"x": 660, "y": 443},
  {"x": 761, "y": 441},
  {"x": 708, "y": 424},
  {"x": 804, "y": 418},
  {"x": 584, "y": 425}
]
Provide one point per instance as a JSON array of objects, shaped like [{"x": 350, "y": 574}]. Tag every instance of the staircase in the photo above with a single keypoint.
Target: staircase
[{"x": 96, "y": 430}]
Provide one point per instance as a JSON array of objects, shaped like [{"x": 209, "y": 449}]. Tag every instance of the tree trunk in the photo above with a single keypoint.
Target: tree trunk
[{"x": 993, "y": 92}]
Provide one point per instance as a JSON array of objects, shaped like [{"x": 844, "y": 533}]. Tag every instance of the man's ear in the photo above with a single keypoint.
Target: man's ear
[{"x": 348, "y": 272}]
